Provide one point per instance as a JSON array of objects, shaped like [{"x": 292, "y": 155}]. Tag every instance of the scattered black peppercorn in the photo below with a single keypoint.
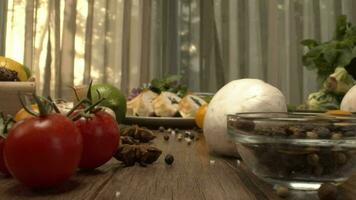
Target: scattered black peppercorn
[
  {"x": 328, "y": 191},
  {"x": 161, "y": 129},
  {"x": 166, "y": 137},
  {"x": 169, "y": 159},
  {"x": 192, "y": 136}
]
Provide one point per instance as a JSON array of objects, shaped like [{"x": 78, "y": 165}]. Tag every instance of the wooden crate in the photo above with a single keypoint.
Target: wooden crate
[{"x": 9, "y": 100}]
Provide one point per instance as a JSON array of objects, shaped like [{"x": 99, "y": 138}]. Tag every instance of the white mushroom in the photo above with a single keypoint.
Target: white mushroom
[
  {"x": 244, "y": 95},
  {"x": 348, "y": 103}
]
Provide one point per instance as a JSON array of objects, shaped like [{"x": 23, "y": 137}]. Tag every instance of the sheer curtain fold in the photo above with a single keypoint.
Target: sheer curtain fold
[
  {"x": 129, "y": 42},
  {"x": 3, "y": 20}
]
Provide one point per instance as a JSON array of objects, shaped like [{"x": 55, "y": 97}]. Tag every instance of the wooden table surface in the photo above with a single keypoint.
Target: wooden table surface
[{"x": 194, "y": 175}]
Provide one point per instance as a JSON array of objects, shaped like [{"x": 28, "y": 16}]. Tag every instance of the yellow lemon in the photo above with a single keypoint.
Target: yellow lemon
[
  {"x": 339, "y": 113},
  {"x": 23, "y": 114},
  {"x": 14, "y": 66},
  {"x": 200, "y": 114}
]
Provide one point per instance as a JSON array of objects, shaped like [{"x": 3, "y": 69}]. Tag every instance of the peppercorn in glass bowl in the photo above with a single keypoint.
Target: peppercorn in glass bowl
[{"x": 297, "y": 150}]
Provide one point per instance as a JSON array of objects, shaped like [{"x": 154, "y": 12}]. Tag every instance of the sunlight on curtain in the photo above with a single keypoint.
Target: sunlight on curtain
[
  {"x": 128, "y": 42},
  {"x": 15, "y": 31},
  {"x": 79, "y": 61}
]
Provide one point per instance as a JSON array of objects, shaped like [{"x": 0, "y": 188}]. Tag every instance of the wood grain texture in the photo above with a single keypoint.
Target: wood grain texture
[{"x": 194, "y": 175}]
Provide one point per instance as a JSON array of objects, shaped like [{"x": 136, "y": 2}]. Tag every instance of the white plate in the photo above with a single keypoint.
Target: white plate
[{"x": 161, "y": 121}]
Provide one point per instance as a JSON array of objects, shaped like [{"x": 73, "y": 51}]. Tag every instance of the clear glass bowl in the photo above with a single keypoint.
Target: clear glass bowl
[{"x": 298, "y": 150}]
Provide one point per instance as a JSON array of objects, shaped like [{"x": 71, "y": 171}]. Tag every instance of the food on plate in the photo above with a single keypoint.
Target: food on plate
[
  {"x": 142, "y": 104},
  {"x": 166, "y": 104},
  {"x": 348, "y": 103},
  {"x": 244, "y": 95},
  {"x": 43, "y": 151},
  {"x": 164, "y": 97},
  {"x": 11, "y": 70},
  {"x": 114, "y": 99},
  {"x": 189, "y": 105}
]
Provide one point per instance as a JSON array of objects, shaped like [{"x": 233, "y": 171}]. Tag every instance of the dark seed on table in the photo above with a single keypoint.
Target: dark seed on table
[
  {"x": 192, "y": 136},
  {"x": 189, "y": 141},
  {"x": 245, "y": 125},
  {"x": 328, "y": 191},
  {"x": 169, "y": 159},
  {"x": 313, "y": 159},
  {"x": 166, "y": 137},
  {"x": 282, "y": 191},
  {"x": 161, "y": 129},
  {"x": 336, "y": 136}
]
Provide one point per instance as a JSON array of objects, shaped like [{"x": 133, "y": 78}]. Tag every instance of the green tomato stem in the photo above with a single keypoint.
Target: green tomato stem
[{"x": 26, "y": 108}]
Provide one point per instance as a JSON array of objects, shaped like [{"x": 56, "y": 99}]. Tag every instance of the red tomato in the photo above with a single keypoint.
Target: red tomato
[
  {"x": 43, "y": 151},
  {"x": 101, "y": 138},
  {"x": 3, "y": 168}
]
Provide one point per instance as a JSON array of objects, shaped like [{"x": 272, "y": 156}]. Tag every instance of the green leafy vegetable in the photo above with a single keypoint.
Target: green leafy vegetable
[
  {"x": 338, "y": 52},
  {"x": 322, "y": 100},
  {"x": 339, "y": 82},
  {"x": 170, "y": 83}
]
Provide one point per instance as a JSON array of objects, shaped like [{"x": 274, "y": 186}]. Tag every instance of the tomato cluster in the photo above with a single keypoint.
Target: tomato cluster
[{"x": 46, "y": 150}]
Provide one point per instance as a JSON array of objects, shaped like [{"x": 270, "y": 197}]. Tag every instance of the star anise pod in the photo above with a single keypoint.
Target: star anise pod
[
  {"x": 128, "y": 140},
  {"x": 143, "y": 135},
  {"x": 141, "y": 153}
]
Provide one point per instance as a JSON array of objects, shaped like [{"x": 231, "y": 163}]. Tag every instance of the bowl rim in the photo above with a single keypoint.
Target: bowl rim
[
  {"x": 312, "y": 116},
  {"x": 244, "y": 137}
]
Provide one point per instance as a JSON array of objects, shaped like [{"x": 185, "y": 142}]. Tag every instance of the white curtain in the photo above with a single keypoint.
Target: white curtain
[
  {"x": 261, "y": 39},
  {"x": 129, "y": 42}
]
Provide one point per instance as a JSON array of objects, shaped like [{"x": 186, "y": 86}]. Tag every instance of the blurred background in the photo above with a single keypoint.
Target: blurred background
[{"x": 129, "y": 42}]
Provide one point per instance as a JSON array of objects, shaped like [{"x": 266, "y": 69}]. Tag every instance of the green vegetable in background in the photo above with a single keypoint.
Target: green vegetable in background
[
  {"x": 339, "y": 82},
  {"x": 322, "y": 100},
  {"x": 338, "y": 52},
  {"x": 168, "y": 83}
]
